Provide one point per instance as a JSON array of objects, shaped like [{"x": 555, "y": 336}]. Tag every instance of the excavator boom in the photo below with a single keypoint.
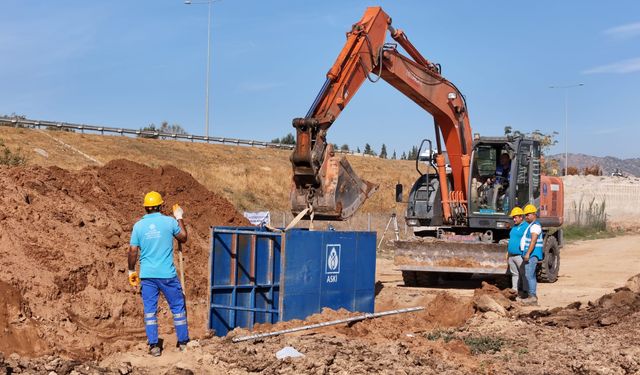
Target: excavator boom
[{"x": 325, "y": 183}]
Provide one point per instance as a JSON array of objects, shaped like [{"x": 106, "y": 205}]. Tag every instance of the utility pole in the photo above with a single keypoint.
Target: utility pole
[{"x": 566, "y": 122}]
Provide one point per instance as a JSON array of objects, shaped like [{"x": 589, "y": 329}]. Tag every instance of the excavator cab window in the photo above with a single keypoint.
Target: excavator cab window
[
  {"x": 535, "y": 170},
  {"x": 489, "y": 190},
  {"x": 523, "y": 194}
]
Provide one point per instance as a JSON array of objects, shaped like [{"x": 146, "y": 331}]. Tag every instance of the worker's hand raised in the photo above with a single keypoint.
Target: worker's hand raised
[
  {"x": 177, "y": 211},
  {"x": 134, "y": 279}
]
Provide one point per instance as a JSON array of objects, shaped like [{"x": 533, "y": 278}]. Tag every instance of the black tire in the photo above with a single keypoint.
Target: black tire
[
  {"x": 550, "y": 265},
  {"x": 410, "y": 278}
]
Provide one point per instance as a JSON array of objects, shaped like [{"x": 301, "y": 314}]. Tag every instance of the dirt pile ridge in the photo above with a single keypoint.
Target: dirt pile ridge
[
  {"x": 63, "y": 242},
  {"x": 607, "y": 310}
]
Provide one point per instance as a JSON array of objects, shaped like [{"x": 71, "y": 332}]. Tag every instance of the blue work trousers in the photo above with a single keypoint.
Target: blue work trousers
[
  {"x": 530, "y": 273},
  {"x": 172, "y": 291}
]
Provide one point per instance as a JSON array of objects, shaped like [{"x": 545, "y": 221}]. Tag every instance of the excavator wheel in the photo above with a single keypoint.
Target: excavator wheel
[{"x": 550, "y": 265}]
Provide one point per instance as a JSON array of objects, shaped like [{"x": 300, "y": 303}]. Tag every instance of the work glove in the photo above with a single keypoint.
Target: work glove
[
  {"x": 177, "y": 211},
  {"x": 134, "y": 279}
]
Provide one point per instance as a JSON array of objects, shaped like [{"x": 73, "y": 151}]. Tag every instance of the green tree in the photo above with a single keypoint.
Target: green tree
[
  {"x": 171, "y": 129},
  {"x": 344, "y": 147},
  {"x": 149, "y": 128},
  {"x": 288, "y": 139},
  {"x": 358, "y": 150},
  {"x": 383, "y": 151},
  {"x": 368, "y": 150},
  {"x": 393, "y": 157},
  {"x": 404, "y": 156},
  {"x": 547, "y": 140},
  {"x": 413, "y": 154}
]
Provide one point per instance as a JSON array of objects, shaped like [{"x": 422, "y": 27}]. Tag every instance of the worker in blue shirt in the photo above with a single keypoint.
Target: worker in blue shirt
[
  {"x": 514, "y": 253},
  {"x": 531, "y": 244},
  {"x": 152, "y": 238}
]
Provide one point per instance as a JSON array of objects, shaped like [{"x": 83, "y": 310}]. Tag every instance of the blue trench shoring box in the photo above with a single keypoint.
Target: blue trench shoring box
[{"x": 260, "y": 276}]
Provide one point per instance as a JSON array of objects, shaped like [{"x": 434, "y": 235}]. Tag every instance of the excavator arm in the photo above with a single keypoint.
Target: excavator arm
[{"x": 325, "y": 183}]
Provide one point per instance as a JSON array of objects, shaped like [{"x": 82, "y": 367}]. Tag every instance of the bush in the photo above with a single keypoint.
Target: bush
[
  {"x": 445, "y": 335},
  {"x": 571, "y": 171},
  {"x": 593, "y": 170},
  {"x": 11, "y": 158},
  {"x": 589, "y": 220},
  {"x": 484, "y": 344}
]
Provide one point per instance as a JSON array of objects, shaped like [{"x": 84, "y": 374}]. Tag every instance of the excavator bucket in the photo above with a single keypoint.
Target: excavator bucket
[
  {"x": 450, "y": 256},
  {"x": 340, "y": 192}
]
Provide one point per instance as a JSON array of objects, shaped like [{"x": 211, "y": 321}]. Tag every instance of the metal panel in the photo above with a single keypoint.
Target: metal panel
[
  {"x": 264, "y": 277},
  {"x": 244, "y": 278}
]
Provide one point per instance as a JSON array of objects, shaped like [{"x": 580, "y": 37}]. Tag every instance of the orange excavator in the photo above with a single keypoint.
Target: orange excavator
[{"x": 458, "y": 205}]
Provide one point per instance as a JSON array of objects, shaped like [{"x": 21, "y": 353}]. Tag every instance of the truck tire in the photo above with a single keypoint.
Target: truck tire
[{"x": 550, "y": 265}]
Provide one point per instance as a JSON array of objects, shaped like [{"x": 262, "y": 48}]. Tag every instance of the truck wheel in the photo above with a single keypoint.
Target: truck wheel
[
  {"x": 410, "y": 278},
  {"x": 550, "y": 266}
]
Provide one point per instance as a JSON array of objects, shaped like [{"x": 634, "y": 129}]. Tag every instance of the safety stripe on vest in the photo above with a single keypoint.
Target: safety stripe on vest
[
  {"x": 179, "y": 315},
  {"x": 179, "y": 322},
  {"x": 527, "y": 238},
  {"x": 150, "y": 315},
  {"x": 151, "y": 322}
]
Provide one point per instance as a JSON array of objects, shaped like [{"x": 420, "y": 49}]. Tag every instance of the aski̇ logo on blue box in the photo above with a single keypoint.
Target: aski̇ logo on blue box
[{"x": 332, "y": 268}]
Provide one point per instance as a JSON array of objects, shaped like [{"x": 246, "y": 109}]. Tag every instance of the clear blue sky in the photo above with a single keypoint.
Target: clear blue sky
[{"x": 131, "y": 63}]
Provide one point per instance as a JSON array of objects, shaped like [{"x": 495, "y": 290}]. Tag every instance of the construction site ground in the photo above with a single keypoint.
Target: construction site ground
[{"x": 67, "y": 306}]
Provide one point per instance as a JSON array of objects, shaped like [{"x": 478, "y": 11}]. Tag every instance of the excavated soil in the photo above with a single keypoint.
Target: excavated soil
[
  {"x": 63, "y": 242},
  {"x": 67, "y": 307}
]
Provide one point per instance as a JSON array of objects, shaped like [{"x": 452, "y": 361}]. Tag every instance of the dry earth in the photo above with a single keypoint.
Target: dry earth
[{"x": 66, "y": 306}]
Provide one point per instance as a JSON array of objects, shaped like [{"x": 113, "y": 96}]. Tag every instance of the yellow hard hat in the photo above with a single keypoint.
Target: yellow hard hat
[
  {"x": 517, "y": 211},
  {"x": 530, "y": 209},
  {"x": 153, "y": 199}
]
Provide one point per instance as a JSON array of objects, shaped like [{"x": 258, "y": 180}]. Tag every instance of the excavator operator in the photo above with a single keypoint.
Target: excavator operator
[{"x": 503, "y": 170}]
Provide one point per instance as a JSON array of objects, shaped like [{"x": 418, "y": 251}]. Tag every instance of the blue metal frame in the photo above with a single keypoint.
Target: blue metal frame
[{"x": 257, "y": 276}]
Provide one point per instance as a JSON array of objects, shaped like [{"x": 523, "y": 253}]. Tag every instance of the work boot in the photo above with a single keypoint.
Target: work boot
[
  {"x": 182, "y": 345},
  {"x": 531, "y": 301},
  {"x": 155, "y": 350}
]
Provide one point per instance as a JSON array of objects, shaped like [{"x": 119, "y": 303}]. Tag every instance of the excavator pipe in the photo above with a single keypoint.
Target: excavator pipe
[
  {"x": 444, "y": 187},
  {"x": 400, "y": 37},
  {"x": 465, "y": 160}
]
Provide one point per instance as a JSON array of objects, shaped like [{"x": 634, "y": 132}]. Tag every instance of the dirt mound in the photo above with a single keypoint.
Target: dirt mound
[
  {"x": 608, "y": 310},
  {"x": 63, "y": 242},
  {"x": 443, "y": 311}
]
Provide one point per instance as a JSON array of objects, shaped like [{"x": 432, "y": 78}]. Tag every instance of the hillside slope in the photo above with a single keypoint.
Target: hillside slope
[
  {"x": 629, "y": 167},
  {"x": 251, "y": 178}
]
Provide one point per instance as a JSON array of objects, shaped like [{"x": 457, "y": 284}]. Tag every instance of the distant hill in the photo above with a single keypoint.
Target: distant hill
[{"x": 608, "y": 164}]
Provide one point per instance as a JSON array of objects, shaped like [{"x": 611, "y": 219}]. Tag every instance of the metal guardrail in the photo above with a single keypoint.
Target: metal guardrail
[
  {"x": 20, "y": 122},
  {"x": 23, "y": 122}
]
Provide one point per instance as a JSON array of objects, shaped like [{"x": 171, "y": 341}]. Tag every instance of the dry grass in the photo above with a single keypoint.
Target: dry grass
[{"x": 251, "y": 178}]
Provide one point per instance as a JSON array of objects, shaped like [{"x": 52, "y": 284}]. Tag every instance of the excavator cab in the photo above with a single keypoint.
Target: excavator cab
[{"x": 505, "y": 172}]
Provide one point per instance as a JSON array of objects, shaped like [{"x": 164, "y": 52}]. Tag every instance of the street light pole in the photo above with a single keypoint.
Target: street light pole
[
  {"x": 206, "y": 96},
  {"x": 566, "y": 122}
]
